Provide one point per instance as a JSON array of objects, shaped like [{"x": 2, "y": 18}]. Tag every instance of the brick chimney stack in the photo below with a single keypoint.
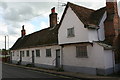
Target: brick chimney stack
[
  {"x": 112, "y": 22},
  {"x": 23, "y": 32},
  {"x": 53, "y": 18}
]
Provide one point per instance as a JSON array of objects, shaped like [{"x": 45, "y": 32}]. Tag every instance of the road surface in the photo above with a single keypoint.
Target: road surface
[{"x": 15, "y": 73}]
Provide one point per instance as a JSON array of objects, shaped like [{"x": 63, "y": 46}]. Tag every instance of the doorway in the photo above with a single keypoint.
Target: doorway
[
  {"x": 20, "y": 58},
  {"x": 58, "y": 58},
  {"x": 33, "y": 60}
]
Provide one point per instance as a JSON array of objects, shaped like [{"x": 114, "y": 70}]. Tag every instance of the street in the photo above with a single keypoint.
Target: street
[{"x": 13, "y": 72}]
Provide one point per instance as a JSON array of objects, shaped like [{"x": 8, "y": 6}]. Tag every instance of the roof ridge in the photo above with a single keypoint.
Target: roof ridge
[
  {"x": 69, "y": 3},
  {"x": 82, "y": 13},
  {"x": 87, "y": 15},
  {"x": 41, "y": 30},
  {"x": 100, "y": 8},
  {"x": 36, "y": 32},
  {"x": 98, "y": 13},
  {"x": 41, "y": 37}
]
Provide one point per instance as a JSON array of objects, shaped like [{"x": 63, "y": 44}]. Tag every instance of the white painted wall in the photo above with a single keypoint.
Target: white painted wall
[
  {"x": 82, "y": 62},
  {"x": 25, "y": 58},
  {"x": 81, "y": 34},
  {"x": 71, "y": 20},
  {"x": 40, "y": 60},
  {"x": 47, "y": 60},
  {"x": 96, "y": 57},
  {"x": 16, "y": 55},
  {"x": 109, "y": 61},
  {"x": 101, "y": 31},
  {"x": 93, "y": 35}
]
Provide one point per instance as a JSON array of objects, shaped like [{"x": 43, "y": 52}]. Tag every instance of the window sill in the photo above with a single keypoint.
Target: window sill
[
  {"x": 70, "y": 36},
  {"x": 82, "y": 57},
  {"x": 48, "y": 56}
]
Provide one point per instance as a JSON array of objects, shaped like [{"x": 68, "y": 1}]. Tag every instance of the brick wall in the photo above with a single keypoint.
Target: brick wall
[
  {"x": 112, "y": 22},
  {"x": 112, "y": 28}
]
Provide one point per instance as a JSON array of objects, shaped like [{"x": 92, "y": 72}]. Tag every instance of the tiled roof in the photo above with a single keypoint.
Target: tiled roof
[
  {"x": 87, "y": 16},
  {"x": 82, "y": 12},
  {"x": 106, "y": 46},
  {"x": 96, "y": 16},
  {"x": 48, "y": 36}
]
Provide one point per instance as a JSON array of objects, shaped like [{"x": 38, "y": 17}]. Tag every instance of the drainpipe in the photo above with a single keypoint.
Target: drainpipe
[
  {"x": 10, "y": 56},
  {"x": 113, "y": 57},
  {"x": 61, "y": 56},
  {"x": 98, "y": 34}
]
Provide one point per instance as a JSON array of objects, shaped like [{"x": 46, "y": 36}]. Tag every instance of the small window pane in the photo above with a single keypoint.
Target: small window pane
[
  {"x": 70, "y": 32},
  {"x": 81, "y": 51},
  {"x": 48, "y": 52},
  {"x": 27, "y": 53},
  {"x": 17, "y": 54},
  {"x": 37, "y": 53}
]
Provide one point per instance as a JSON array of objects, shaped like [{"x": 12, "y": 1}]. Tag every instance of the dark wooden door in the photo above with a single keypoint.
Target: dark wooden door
[
  {"x": 58, "y": 58},
  {"x": 33, "y": 58}
]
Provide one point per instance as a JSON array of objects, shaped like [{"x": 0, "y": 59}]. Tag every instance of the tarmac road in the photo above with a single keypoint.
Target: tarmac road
[{"x": 17, "y": 73}]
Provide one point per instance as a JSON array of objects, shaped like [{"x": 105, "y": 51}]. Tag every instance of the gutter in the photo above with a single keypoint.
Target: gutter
[
  {"x": 113, "y": 59},
  {"x": 62, "y": 57},
  {"x": 98, "y": 34}
]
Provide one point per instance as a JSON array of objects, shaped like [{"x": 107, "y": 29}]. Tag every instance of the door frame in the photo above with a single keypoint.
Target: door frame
[
  {"x": 58, "y": 60},
  {"x": 33, "y": 57},
  {"x": 21, "y": 53}
]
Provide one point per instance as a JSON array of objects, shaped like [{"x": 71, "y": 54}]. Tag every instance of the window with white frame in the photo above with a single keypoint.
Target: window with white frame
[
  {"x": 48, "y": 52},
  {"x": 18, "y": 54},
  {"x": 81, "y": 51},
  {"x": 27, "y": 53},
  {"x": 70, "y": 32},
  {"x": 37, "y": 53}
]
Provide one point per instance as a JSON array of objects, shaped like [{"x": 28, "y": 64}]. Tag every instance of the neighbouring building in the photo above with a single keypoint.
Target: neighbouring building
[
  {"x": 85, "y": 41},
  {"x": 39, "y": 48}
]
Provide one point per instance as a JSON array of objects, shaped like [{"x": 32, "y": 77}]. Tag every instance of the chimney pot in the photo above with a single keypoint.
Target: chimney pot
[
  {"x": 53, "y": 10},
  {"x": 53, "y": 18},
  {"x": 112, "y": 21},
  {"x": 23, "y": 27},
  {"x": 23, "y": 32}
]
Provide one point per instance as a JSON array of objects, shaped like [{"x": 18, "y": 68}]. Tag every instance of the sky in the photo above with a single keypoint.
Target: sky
[{"x": 34, "y": 15}]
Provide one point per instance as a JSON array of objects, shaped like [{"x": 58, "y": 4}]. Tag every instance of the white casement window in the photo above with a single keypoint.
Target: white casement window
[
  {"x": 17, "y": 54},
  {"x": 37, "y": 53},
  {"x": 81, "y": 51},
  {"x": 27, "y": 53},
  {"x": 70, "y": 32},
  {"x": 48, "y": 52}
]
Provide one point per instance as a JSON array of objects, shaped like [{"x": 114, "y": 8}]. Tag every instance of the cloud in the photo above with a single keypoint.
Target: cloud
[
  {"x": 3, "y": 5},
  {"x": 119, "y": 8},
  {"x": 3, "y": 28},
  {"x": 14, "y": 14},
  {"x": 43, "y": 25},
  {"x": 92, "y": 5},
  {"x": 19, "y": 12},
  {"x": 28, "y": 27},
  {"x": 52, "y": 0}
]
